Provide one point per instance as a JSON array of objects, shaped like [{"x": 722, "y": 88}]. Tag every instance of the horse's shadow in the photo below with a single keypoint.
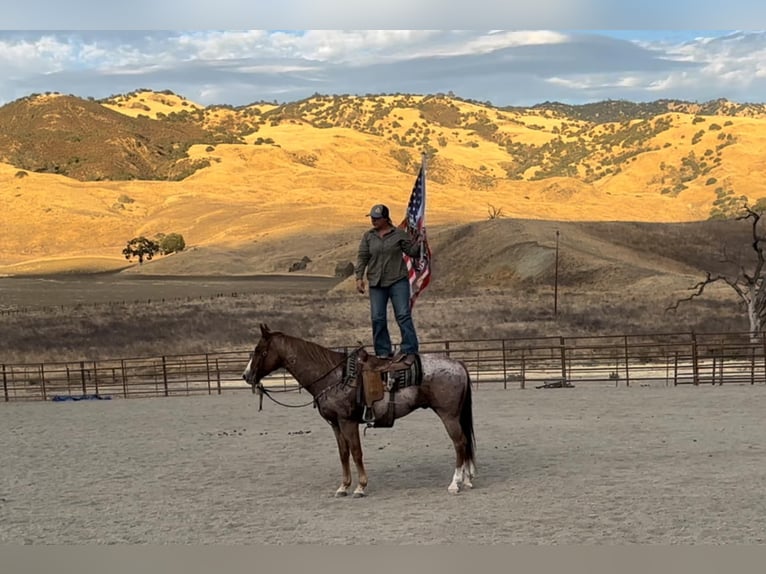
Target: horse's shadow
[{"x": 499, "y": 463}]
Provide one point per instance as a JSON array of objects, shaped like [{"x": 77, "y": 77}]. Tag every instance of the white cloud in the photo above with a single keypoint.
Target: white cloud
[{"x": 45, "y": 54}]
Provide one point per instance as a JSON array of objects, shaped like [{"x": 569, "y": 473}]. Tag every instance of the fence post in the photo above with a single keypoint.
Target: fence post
[
  {"x": 478, "y": 367},
  {"x": 165, "y": 375},
  {"x": 627, "y": 364},
  {"x": 82, "y": 378},
  {"x": 505, "y": 368},
  {"x": 695, "y": 361},
  {"x": 207, "y": 368},
  {"x": 523, "y": 369},
  {"x": 446, "y": 348},
  {"x": 42, "y": 382},
  {"x": 95, "y": 376},
  {"x": 218, "y": 376},
  {"x": 124, "y": 379},
  {"x": 752, "y": 365},
  {"x": 563, "y": 359},
  {"x": 720, "y": 369},
  {"x": 763, "y": 344},
  {"x": 5, "y": 385}
]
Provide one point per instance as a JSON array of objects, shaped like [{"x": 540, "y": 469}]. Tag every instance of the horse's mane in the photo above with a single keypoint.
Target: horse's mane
[{"x": 312, "y": 352}]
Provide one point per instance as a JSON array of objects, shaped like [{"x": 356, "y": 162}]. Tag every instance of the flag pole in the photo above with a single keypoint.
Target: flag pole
[{"x": 423, "y": 230}]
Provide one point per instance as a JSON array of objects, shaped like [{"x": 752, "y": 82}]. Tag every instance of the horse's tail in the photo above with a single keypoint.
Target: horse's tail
[{"x": 466, "y": 421}]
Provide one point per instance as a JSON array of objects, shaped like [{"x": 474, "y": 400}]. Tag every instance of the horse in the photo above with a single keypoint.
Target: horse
[{"x": 444, "y": 386}]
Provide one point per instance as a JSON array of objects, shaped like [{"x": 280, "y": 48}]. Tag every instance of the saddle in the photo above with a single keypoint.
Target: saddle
[{"x": 381, "y": 375}]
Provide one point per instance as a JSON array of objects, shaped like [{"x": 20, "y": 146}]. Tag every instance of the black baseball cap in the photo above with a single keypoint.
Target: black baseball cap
[{"x": 379, "y": 211}]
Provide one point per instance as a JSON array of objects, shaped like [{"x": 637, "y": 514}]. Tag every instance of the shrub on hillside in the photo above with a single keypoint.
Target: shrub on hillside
[{"x": 171, "y": 243}]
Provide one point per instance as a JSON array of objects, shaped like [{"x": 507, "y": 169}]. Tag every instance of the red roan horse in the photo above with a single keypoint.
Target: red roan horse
[{"x": 445, "y": 387}]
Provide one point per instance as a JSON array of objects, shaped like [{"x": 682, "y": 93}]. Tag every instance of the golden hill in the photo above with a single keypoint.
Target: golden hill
[{"x": 255, "y": 188}]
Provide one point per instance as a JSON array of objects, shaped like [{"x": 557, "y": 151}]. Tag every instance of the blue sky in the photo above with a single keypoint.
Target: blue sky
[{"x": 505, "y": 67}]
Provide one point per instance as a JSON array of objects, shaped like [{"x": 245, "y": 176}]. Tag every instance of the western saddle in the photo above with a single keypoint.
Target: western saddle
[{"x": 380, "y": 375}]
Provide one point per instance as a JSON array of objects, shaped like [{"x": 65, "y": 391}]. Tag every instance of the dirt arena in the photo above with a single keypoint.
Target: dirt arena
[{"x": 612, "y": 465}]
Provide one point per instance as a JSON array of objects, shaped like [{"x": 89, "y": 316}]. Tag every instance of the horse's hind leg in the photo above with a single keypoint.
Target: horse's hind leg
[
  {"x": 343, "y": 451},
  {"x": 460, "y": 477},
  {"x": 469, "y": 470}
]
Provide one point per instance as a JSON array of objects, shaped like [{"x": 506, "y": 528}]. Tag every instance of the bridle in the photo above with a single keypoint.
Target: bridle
[{"x": 261, "y": 390}]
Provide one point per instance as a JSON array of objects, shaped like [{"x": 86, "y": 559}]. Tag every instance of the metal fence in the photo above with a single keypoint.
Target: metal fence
[{"x": 624, "y": 360}]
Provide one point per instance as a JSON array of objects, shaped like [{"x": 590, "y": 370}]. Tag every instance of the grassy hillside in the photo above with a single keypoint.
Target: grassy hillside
[{"x": 253, "y": 189}]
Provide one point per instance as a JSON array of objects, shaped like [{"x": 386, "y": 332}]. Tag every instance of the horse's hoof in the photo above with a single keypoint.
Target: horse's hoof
[
  {"x": 453, "y": 489},
  {"x": 359, "y": 495},
  {"x": 341, "y": 494}
]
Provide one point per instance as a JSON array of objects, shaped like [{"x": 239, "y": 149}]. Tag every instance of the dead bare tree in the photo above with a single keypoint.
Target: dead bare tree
[
  {"x": 494, "y": 212},
  {"x": 750, "y": 286}
]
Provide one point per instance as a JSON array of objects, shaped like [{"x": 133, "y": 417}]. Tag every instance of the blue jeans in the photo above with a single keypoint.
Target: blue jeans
[{"x": 399, "y": 294}]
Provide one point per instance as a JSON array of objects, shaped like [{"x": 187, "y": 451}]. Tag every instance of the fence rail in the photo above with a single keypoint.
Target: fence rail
[{"x": 628, "y": 360}]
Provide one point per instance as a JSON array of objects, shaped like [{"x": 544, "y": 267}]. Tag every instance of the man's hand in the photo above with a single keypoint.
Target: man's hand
[{"x": 360, "y": 285}]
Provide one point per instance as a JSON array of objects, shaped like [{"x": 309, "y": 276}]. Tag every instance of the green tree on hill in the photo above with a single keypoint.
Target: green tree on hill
[{"x": 142, "y": 248}]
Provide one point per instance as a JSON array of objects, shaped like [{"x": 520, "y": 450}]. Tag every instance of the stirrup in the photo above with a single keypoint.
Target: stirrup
[{"x": 368, "y": 415}]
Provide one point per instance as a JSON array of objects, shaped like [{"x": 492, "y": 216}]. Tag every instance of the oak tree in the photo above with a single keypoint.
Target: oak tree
[{"x": 142, "y": 248}]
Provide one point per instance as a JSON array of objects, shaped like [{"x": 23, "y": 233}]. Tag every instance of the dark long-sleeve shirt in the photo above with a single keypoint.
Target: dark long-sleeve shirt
[{"x": 382, "y": 256}]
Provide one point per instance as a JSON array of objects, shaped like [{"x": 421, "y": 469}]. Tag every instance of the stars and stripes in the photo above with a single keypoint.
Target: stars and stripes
[{"x": 418, "y": 268}]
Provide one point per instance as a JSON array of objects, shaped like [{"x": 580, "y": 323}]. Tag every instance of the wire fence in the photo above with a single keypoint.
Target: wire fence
[{"x": 622, "y": 360}]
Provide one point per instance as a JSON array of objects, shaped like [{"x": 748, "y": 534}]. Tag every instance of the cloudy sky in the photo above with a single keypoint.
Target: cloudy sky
[
  {"x": 504, "y": 67},
  {"x": 555, "y": 50}
]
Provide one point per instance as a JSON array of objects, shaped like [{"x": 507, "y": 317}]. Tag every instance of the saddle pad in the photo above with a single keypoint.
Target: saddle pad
[{"x": 406, "y": 377}]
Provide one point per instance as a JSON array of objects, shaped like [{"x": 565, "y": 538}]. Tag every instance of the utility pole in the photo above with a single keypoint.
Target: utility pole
[{"x": 556, "y": 281}]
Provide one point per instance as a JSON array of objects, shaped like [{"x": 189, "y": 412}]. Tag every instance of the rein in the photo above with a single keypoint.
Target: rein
[{"x": 314, "y": 401}]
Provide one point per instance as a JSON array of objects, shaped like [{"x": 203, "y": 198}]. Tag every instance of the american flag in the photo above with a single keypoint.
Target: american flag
[{"x": 418, "y": 268}]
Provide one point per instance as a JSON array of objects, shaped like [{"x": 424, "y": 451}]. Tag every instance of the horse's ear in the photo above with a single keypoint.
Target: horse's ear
[{"x": 265, "y": 331}]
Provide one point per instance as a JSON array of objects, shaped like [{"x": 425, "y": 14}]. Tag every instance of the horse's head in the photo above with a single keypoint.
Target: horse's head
[{"x": 264, "y": 359}]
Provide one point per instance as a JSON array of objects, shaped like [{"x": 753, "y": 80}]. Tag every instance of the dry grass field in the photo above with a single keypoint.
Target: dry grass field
[
  {"x": 491, "y": 279},
  {"x": 631, "y": 200},
  {"x": 202, "y": 315}
]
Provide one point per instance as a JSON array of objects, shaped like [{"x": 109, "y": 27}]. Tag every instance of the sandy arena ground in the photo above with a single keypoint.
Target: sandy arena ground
[{"x": 611, "y": 465}]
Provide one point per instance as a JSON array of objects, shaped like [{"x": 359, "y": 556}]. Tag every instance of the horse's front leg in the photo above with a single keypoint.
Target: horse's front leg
[
  {"x": 350, "y": 431},
  {"x": 343, "y": 451}
]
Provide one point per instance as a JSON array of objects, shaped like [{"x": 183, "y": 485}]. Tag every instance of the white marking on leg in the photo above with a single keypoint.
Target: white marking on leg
[
  {"x": 467, "y": 475},
  {"x": 359, "y": 491},
  {"x": 457, "y": 479},
  {"x": 342, "y": 490}
]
